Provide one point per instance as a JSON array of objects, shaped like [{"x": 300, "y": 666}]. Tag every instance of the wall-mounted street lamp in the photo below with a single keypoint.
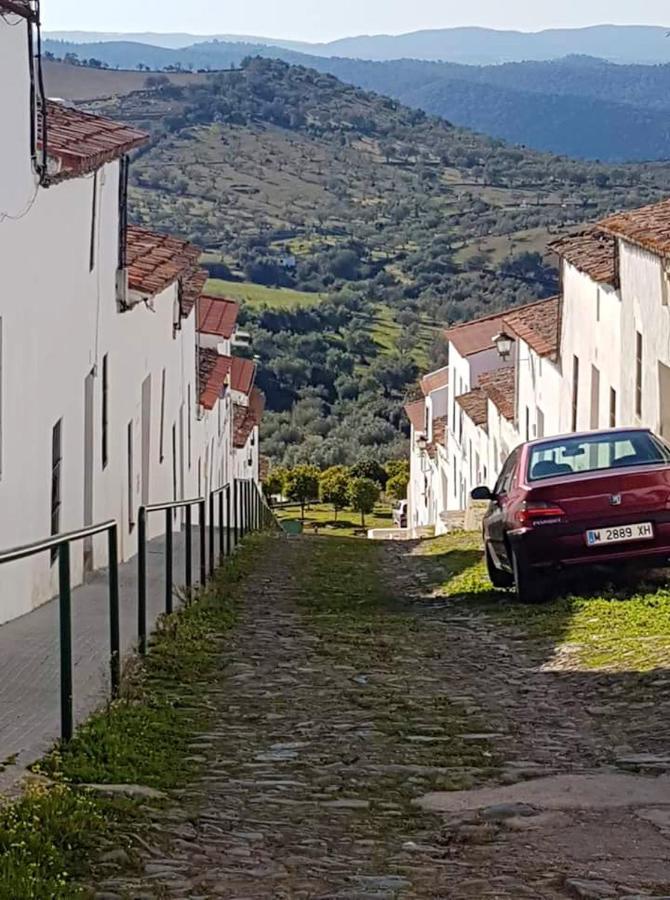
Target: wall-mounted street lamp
[
  {"x": 422, "y": 442},
  {"x": 504, "y": 343}
]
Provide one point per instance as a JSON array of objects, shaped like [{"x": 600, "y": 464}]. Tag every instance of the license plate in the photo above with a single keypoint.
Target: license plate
[{"x": 620, "y": 534}]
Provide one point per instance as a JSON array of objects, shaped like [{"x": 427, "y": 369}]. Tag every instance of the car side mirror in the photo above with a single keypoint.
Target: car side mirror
[{"x": 482, "y": 493}]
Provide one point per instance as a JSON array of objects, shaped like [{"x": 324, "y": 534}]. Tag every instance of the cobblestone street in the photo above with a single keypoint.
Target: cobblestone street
[{"x": 373, "y": 742}]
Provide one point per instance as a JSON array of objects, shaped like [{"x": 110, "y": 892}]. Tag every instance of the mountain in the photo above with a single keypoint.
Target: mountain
[
  {"x": 472, "y": 46},
  {"x": 394, "y": 224},
  {"x": 577, "y": 106}
]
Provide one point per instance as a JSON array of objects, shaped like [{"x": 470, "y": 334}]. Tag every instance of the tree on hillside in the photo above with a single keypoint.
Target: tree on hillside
[
  {"x": 334, "y": 486},
  {"x": 371, "y": 470},
  {"x": 302, "y": 486},
  {"x": 397, "y": 467},
  {"x": 363, "y": 496}
]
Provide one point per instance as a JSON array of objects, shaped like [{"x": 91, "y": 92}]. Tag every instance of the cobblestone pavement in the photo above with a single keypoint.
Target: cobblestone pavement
[{"x": 331, "y": 730}]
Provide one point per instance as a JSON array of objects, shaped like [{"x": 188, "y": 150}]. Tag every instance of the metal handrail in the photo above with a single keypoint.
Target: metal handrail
[
  {"x": 168, "y": 508},
  {"x": 61, "y": 542},
  {"x": 225, "y": 539}
]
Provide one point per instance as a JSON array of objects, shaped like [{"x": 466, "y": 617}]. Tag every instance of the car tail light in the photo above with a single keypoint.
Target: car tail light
[{"x": 535, "y": 511}]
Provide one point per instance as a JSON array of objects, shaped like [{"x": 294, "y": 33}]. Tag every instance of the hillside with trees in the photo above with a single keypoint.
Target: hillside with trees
[{"x": 396, "y": 224}]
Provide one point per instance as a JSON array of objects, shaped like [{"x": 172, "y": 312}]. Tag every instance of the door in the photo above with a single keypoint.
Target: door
[
  {"x": 89, "y": 386},
  {"x": 146, "y": 440},
  {"x": 495, "y": 521},
  {"x": 664, "y": 397}
]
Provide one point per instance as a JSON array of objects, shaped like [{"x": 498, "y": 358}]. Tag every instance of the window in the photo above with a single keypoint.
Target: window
[
  {"x": 161, "y": 440},
  {"x": 540, "y": 423},
  {"x": 595, "y": 398},
  {"x": 665, "y": 285},
  {"x": 56, "y": 473},
  {"x": 612, "y": 408},
  {"x": 188, "y": 426},
  {"x": 638, "y": 374},
  {"x": 199, "y": 477},
  {"x": 105, "y": 411},
  {"x": 575, "y": 392},
  {"x": 94, "y": 220},
  {"x": 527, "y": 424},
  {"x": 597, "y": 304},
  {"x": 131, "y": 498},
  {"x": 123, "y": 210},
  {"x": 507, "y": 475},
  {"x": 595, "y": 453}
]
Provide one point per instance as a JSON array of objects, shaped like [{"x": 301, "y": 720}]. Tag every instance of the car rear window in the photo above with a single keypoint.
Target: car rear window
[{"x": 595, "y": 453}]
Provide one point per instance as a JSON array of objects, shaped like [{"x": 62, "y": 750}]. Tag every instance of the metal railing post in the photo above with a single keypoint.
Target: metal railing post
[
  {"x": 169, "y": 604},
  {"x": 212, "y": 564},
  {"x": 65, "y": 616},
  {"x": 142, "y": 580},
  {"x": 202, "y": 506},
  {"x": 228, "y": 530},
  {"x": 189, "y": 551},
  {"x": 114, "y": 618},
  {"x": 236, "y": 531},
  {"x": 221, "y": 550}
]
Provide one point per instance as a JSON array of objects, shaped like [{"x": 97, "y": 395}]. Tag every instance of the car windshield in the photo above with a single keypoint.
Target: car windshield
[{"x": 595, "y": 453}]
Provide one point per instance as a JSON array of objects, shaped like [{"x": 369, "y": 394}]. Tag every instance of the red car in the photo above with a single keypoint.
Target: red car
[{"x": 577, "y": 500}]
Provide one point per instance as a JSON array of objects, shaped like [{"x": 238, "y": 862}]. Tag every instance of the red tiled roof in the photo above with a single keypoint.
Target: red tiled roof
[
  {"x": 475, "y": 336},
  {"x": 19, "y": 7},
  {"x": 81, "y": 143},
  {"x": 246, "y": 418},
  {"x": 439, "y": 433},
  {"x": 592, "y": 252},
  {"x": 155, "y": 261},
  {"x": 191, "y": 289},
  {"x": 416, "y": 413},
  {"x": 435, "y": 381},
  {"x": 538, "y": 324},
  {"x": 500, "y": 388},
  {"x": 216, "y": 370},
  {"x": 475, "y": 405},
  {"x": 647, "y": 227},
  {"x": 217, "y": 316}
]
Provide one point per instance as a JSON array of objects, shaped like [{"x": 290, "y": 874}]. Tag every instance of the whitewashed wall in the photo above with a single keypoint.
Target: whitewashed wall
[
  {"x": 538, "y": 394},
  {"x": 591, "y": 331}
]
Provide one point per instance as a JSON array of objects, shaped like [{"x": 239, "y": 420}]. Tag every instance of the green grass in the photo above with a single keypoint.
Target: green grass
[
  {"x": 48, "y": 837},
  {"x": 259, "y": 295},
  {"x": 622, "y": 625},
  {"x": 348, "y": 523}
]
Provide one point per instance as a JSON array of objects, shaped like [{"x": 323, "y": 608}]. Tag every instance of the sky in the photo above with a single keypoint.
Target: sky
[{"x": 319, "y": 20}]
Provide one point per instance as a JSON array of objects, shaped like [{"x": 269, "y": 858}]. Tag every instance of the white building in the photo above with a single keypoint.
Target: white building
[
  {"x": 100, "y": 402},
  {"x": 427, "y": 492}
]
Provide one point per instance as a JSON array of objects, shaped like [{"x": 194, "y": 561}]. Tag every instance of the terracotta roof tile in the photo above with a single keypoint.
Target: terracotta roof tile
[
  {"x": 215, "y": 371},
  {"x": 439, "y": 435},
  {"x": 475, "y": 336},
  {"x": 538, "y": 324},
  {"x": 416, "y": 413},
  {"x": 191, "y": 289},
  {"x": 19, "y": 7},
  {"x": 435, "y": 381},
  {"x": 500, "y": 388},
  {"x": 155, "y": 261},
  {"x": 475, "y": 405},
  {"x": 592, "y": 252},
  {"x": 81, "y": 143},
  {"x": 246, "y": 418},
  {"x": 647, "y": 227},
  {"x": 218, "y": 316}
]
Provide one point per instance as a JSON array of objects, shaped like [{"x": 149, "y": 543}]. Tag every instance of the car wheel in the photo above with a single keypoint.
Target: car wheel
[
  {"x": 497, "y": 577},
  {"x": 526, "y": 582}
]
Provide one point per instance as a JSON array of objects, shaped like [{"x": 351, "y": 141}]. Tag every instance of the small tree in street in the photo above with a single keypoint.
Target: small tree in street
[
  {"x": 372, "y": 470},
  {"x": 273, "y": 486},
  {"x": 397, "y": 486},
  {"x": 363, "y": 496},
  {"x": 334, "y": 485},
  {"x": 302, "y": 486}
]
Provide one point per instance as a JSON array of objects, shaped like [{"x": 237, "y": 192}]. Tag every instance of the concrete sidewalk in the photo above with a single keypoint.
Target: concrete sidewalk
[{"x": 30, "y": 653}]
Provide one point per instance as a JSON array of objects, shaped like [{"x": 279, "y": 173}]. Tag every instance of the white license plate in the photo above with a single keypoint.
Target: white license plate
[{"x": 620, "y": 534}]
